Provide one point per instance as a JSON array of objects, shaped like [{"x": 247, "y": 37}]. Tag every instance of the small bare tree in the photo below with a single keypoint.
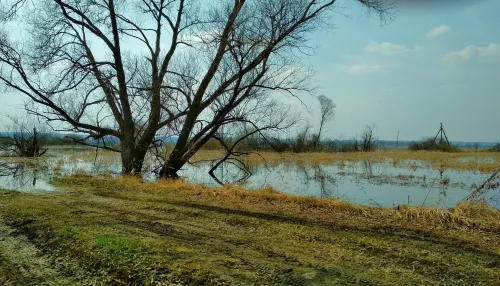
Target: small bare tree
[
  {"x": 302, "y": 139},
  {"x": 368, "y": 140},
  {"x": 327, "y": 113},
  {"x": 25, "y": 139}
]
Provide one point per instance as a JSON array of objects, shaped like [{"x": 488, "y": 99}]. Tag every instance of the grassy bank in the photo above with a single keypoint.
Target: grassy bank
[{"x": 122, "y": 231}]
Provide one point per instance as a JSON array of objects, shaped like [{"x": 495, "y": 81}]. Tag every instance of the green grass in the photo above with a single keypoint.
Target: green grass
[
  {"x": 10, "y": 272},
  {"x": 166, "y": 233}
]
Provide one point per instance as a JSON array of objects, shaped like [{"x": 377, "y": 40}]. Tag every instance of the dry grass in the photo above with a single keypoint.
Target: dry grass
[
  {"x": 464, "y": 215},
  {"x": 464, "y": 161},
  {"x": 124, "y": 231}
]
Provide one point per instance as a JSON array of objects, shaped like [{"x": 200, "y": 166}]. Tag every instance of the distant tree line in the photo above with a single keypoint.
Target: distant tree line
[{"x": 304, "y": 141}]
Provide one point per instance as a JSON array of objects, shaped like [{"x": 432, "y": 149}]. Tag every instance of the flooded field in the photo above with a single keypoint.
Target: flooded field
[{"x": 384, "y": 181}]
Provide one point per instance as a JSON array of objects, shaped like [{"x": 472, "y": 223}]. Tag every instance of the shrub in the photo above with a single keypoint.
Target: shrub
[
  {"x": 367, "y": 143},
  {"x": 24, "y": 144},
  {"x": 429, "y": 144},
  {"x": 495, "y": 148}
]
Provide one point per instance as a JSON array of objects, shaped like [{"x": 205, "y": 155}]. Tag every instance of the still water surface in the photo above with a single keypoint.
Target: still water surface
[{"x": 365, "y": 183}]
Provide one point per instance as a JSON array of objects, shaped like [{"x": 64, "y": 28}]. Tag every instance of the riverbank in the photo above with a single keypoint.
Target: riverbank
[{"x": 123, "y": 231}]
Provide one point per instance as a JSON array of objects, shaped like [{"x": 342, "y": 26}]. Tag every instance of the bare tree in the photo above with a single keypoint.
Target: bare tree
[
  {"x": 260, "y": 118},
  {"x": 131, "y": 69},
  {"x": 25, "y": 138},
  {"x": 327, "y": 113},
  {"x": 263, "y": 118},
  {"x": 302, "y": 139},
  {"x": 368, "y": 140}
]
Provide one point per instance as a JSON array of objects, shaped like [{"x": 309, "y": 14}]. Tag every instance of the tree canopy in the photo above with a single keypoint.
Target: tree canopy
[{"x": 136, "y": 68}]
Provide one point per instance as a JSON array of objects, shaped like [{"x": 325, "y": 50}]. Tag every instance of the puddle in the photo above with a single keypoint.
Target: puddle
[{"x": 381, "y": 184}]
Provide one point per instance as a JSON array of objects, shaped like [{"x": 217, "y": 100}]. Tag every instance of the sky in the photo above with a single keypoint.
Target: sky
[
  {"x": 437, "y": 62},
  {"x": 430, "y": 64}
]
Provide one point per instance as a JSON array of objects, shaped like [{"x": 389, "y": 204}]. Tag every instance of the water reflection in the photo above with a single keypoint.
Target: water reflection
[
  {"x": 326, "y": 182},
  {"x": 230, "y": 171},
  {"x": 23, "y": 177},
  {"x": 382, "y": 184},
  {"x": 366, "y": 183}
]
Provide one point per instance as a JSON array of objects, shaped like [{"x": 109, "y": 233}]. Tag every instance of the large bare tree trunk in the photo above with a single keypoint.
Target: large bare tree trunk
[
  {"x": 132, "y": 157},
  {"x": 171, "y": 167},
  {"x": 178, "y": 157},
  {"x": 132, "y": 161}
]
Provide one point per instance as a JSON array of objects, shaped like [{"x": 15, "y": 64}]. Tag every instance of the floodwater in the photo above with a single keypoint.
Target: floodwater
[{"x": 362, "y": 182}]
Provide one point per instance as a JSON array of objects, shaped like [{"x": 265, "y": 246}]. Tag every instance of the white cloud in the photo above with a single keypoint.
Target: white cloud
[
  {"x": 492, "y": 51},
  {"x": 417, "y": 48},
  {"x": 438, "y": 31},
  {"x": 363, "y": 69},
  {"x": 387, "y": 48}
]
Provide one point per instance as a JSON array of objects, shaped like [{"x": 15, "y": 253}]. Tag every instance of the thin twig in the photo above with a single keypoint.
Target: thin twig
[{"x": 475, "y": 193}]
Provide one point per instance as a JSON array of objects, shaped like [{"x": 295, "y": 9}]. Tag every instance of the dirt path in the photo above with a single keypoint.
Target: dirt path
[{"x": 21, "y": 263}]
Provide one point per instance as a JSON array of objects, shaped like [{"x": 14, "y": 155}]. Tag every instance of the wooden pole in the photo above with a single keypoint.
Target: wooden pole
[{"x": 441, "y": 131}]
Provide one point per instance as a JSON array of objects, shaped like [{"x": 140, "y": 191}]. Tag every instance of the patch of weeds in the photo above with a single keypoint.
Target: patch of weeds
[
  {"x": 10, "y": 273},
  {"x": 116, "y": 244},
  {"x": 430, "y": 144},
  {"x": 195, "y": 276},
  {"x": 71, "y": 231},
  {"x": 237, "y": 221}
]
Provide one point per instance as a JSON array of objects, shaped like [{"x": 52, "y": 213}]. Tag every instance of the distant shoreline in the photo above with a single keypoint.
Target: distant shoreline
[{"x": 380, "y": 143}]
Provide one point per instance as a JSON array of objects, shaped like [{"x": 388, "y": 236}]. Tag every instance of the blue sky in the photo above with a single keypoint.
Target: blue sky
[
  {"x": 426, "y": 66},
  {"x": 430, "y": 64}
]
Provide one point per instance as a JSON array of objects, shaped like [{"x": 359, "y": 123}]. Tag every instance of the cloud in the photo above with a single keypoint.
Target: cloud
[
  {"x": 201, "y": 37},
  {"x": 387, "y": 48},
  {"x": 363, "y": 69},
  {"x": 436, "y": 4},
  {"x": 492, "y": 51},
  {"x": 438, "y": 31}
]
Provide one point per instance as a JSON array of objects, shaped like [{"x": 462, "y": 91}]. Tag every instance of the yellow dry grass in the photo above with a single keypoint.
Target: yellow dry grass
[
  {"x": 125, "y": 231},
  {"x": 478, "y": 220},
  {"x": 464, "y": 161}
]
